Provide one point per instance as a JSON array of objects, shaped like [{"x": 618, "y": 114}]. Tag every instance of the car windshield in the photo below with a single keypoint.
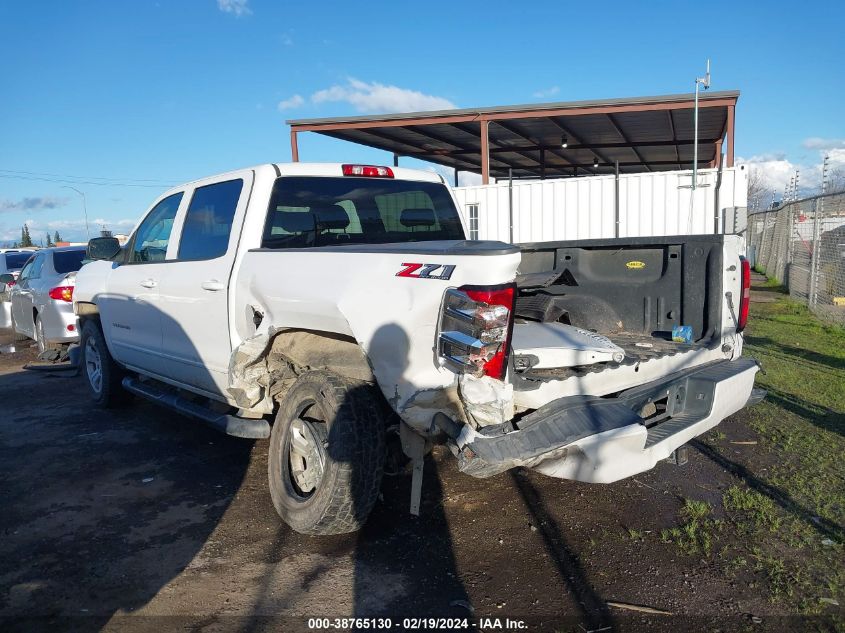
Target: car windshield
[
  {"x": 68, "y": 261},
  {"x": 335, "y": 211},
  {"x": 15, "y": 261}
]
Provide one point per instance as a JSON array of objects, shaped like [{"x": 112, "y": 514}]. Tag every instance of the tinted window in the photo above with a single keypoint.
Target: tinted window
[
  {"x": 317, "y": 211},
  {"x": 15, "y": 261},
  {"x": 151, "y": 238},
  {"x": 208, "y": 222},
  {"x": 68, "y": 261}
]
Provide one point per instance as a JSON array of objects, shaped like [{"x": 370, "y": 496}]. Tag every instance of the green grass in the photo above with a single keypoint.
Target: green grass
[
  {"x": 752, "y": 508},
  {"x": 695, "y": 534},
  {"x": 792, "y": 523}
]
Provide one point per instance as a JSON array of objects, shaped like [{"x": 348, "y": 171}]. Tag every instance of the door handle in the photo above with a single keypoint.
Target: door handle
[
  {"x": 149, "y": 283},
  {"x": 213, "y": 285}
]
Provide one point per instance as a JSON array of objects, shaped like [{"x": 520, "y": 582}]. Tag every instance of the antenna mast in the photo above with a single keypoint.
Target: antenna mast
[{"x": 699, "y": 82}]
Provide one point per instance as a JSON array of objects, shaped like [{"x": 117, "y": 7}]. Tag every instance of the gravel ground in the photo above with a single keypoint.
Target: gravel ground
[{"x": 140, "y": 519}]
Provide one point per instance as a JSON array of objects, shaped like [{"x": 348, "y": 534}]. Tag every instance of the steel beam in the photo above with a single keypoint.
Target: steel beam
[
  {"x": 294, "y": 147},
  {"x": 627, "y": 140},
  {"x": 729, "y": 158},
  {"x": 485, "y": 152}
]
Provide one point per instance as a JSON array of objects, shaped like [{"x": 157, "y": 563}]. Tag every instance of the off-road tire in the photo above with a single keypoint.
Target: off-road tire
[
  {"x": 111, "y": 393},
  {"x": 354, "y": 453}
]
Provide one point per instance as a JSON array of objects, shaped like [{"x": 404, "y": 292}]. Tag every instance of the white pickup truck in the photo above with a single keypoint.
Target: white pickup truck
[{"x": 328, "y": 306}]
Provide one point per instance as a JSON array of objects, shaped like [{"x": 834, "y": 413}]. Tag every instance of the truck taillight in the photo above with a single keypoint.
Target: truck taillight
[
  {"x": 369, "y": 171},
  {"x": 62, "y": 293},
  {"x": 745, "y": 296},
  {"x": 476, "y": 323}
]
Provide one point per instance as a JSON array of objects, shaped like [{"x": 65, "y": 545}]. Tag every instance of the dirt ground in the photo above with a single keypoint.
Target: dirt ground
[{"x": 140, "y": 519}]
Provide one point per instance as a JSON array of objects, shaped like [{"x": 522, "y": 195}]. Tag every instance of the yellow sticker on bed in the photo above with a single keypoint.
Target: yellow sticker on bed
[{"x": 635, "y": 265}]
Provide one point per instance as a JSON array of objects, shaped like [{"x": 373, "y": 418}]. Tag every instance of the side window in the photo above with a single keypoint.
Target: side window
[
  {"x": 208, "y": 222},
  {"x": 151, "y": 238},
  {"x": 473, "y": 221},
  {"x": 24, "y": 274},
  {"x": 35, "y": 267}
]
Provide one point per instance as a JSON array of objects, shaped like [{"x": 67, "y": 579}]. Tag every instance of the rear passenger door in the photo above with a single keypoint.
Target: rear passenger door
[{"x": 193, "y": 294}]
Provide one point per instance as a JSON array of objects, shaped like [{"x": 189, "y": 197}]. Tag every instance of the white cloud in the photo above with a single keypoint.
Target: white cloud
[
  {"x": 816, "y": 142},
  {"x": 379, "y": 98},
  {"x": 236, "y": 7},
  {"x": 775, "y": 169},
  {"x": 32, "y": 204},
  {"x": 547, "y": 92},
  {"x": 293, "y": 102}
]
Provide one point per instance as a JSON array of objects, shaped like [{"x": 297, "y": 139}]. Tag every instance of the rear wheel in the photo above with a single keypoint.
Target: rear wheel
[
  {"x": 101, "y": 373},
  {"x": 40, "y": 338},
  {"x": 327, "y": 454}
]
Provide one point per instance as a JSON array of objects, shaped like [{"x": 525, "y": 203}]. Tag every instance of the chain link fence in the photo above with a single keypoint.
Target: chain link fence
[{"x": 802, "y": 245}]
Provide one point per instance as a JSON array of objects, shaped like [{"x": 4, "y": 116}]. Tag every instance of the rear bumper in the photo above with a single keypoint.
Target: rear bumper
[
  {"x": 601, "y": 440},
  {"x": 57, "y": 316}
]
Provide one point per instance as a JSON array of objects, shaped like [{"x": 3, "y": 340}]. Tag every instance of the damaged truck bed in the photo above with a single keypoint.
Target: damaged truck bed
[{"x": 328, "y": 305}]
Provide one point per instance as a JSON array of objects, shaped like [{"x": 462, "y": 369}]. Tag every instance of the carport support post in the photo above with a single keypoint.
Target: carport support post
[
  {"x": 729, "y": 159},
  {"x": 542, "y": 163},
  {"x": 616, "y": 196},
  {"x": 485, "y": 152},
  {"x": 456, "y": 177},
  {"x": 395, "y": 159},
  {"x": 294, "y": 148},
  {"x": 510, "y": 202}
]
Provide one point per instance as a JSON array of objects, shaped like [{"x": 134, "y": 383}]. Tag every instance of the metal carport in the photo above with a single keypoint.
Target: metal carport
[{"x": 550, "y": 140}]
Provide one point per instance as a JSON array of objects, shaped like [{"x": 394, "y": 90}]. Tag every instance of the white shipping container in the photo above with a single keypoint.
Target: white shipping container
[{"x": 655, "y": 203}]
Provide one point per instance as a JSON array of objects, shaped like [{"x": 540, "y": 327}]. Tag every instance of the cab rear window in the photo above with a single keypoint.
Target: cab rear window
[
  {"x": 15, "y": 261},
  {"x": 327, "y": 211}
]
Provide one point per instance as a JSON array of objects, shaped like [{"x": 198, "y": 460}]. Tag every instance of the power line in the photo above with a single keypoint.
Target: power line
[
  {"x": 87, "y": 182},
  {"x": 41, "y": 173}
]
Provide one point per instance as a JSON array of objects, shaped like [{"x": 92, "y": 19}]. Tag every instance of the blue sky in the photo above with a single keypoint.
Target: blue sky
[{"x": 145, "y": 94}]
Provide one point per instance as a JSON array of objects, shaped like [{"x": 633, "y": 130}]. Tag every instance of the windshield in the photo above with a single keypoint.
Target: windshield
[
  {"x": 15, "y": 261},
  {"x": 328, "y": 211},
  {"x": 68, "y": 261}
]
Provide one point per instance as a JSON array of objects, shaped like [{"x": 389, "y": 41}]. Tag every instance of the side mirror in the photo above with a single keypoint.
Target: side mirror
[
  {"x": 5, "y": 279},
  {"x": 102, "y": 248}
]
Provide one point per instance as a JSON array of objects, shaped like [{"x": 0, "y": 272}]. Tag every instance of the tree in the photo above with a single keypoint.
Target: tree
[
  {"x": 26, "y": 239},
  {"x": 49, "y": 241},
  {"x": 57, "y": 238},
  {"x": 759, "y": 190},
  {"x": 836, "y": 180}
]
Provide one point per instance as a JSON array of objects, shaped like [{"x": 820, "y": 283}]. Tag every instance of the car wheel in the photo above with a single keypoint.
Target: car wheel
[
  {"x": 99, "y": 370},
  {"x": 327, "y": 451},
  {"x": 40, "y": 339}
]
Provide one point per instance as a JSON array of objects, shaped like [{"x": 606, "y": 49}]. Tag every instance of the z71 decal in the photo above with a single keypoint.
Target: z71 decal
[{"x": 426, "y": 271}]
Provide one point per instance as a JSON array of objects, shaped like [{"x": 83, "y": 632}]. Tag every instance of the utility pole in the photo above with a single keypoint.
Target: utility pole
[
  {"x": 84, "y": 208},
  {"x": 699, "y": 82}
]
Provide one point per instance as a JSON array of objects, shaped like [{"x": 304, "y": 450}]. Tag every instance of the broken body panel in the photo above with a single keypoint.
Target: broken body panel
[{"x": 373, "y": 312}]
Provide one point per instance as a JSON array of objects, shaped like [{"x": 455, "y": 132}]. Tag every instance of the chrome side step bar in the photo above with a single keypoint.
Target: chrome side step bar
[{"x": 223, "y": 422}]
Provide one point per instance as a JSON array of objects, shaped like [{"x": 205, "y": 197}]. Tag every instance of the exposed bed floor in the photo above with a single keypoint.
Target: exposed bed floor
[{"x": 638, "y": 348}]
